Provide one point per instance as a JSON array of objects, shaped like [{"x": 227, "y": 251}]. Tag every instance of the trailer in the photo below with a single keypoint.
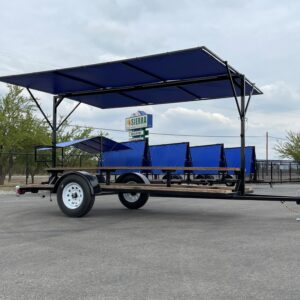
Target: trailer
[{"x": 195, "y": 74}]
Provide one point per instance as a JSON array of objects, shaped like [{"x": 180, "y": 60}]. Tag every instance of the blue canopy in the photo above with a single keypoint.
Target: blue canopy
[
  {"x": 137, "y": 155},
  {"x": 233, "y": 159},
  {"x": 179, "y": 76},
  {"x": 93, "y": 145},
  {"x": 170, "y": 155},
  {"x": 208, "y": 156}
]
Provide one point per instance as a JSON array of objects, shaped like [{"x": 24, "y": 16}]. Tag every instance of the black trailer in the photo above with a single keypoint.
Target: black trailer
[{"x": 187, "y": 75}]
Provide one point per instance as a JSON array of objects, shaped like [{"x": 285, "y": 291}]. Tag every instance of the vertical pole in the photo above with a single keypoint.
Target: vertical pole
[
  {"x": 255, "y": 173},
  {"x": 101, "y": 150},
  {"x": 267, "y": 151},
  {"x": 271, "y": 172},
  {"x": 243, "y": 143},
  {"x": 54, "y": 131},
  {"x": 27, "y": 169}
]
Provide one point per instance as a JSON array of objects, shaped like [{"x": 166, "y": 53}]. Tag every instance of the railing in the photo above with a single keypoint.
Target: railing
[
  {"x": 277, "y": 171},
  {"x": 16, "y": 167},
  {"x": 20, "y": 167}
]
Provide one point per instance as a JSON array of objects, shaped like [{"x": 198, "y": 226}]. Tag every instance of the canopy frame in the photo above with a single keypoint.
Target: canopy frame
[
  {"x": 241, "y": 107},
  {"x": 236, "y": 80}
]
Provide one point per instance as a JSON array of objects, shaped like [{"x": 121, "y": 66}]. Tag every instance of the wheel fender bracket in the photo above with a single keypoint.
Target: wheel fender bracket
[
  {"x": 91, "y": 180},
  {"x": 141, "y": 176}
]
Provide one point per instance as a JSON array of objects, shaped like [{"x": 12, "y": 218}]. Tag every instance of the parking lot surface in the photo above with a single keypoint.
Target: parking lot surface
[{"x": 169, "y": 249}]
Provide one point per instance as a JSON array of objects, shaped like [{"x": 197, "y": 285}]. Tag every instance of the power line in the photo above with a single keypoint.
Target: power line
[
  {"x": 176, "y": 134},
  {"x": 277, "y": 138}
]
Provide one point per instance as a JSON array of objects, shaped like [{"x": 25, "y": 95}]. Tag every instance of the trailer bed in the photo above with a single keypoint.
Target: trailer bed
[{"x": 147, "y": 188}]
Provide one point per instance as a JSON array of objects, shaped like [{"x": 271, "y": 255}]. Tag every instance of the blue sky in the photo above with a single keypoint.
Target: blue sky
[{"x": 259, "y": 38}]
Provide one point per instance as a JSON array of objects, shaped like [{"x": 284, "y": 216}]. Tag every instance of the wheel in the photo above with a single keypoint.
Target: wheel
[
  {"x": 133, "y": 200},
  {"x": 228, "y": 183},
  {"x": 74, "y": 196}
]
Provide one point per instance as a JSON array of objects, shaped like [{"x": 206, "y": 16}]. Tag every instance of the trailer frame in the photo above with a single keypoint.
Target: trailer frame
[{"x": 89, "y": 183}]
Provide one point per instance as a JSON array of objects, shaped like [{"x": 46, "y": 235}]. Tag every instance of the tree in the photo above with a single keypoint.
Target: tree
[
  {"x": 21, "y": 130},
  {"x": 18, "y": 127},
  {"x": 35, "y": 132},
  {"x": 291, "y": 148}
]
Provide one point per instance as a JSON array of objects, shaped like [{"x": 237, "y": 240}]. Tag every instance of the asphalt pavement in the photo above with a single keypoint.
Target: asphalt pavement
[{"x": 169, "y": 249}]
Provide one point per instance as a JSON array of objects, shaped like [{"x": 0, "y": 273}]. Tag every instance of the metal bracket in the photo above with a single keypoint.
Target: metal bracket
[
  {"x": 40, "y": 108},
  {"x": 233, "y": 88},
  {"x": 66, "y": 118},
  {"x": 249, "y": 98},
  {"x": 59, "y": 99}
]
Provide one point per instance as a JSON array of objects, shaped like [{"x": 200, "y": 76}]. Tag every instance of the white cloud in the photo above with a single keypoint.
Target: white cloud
[
  {"x": 66, "y": 33},
  {"x": 279, "y": 96},
  {"x": 185, "y": 114}
]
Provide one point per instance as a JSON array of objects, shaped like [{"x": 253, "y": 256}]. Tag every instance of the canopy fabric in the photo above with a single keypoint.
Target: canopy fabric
[
  {"x": 136, "y": 155},
  {"x": 179, "y": 76},
  {"x": 233, "y": 159},
  {"x": 94, "y": 145},
  {"x": 208, "y": 156},
  {"x": 170, "y": 155}
]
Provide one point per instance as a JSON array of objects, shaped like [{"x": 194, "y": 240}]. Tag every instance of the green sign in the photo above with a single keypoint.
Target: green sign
[
  {"x": 137, "y": 123},
  {"x": 138, "y": 134}
]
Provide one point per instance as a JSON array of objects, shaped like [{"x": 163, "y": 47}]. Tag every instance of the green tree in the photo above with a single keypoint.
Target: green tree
[
  {"x": 291, "y": 148},
  {"x": 36, "y": 132},
  {"x": 17, "y": 124},
  {"x": 21, "y": 130}
]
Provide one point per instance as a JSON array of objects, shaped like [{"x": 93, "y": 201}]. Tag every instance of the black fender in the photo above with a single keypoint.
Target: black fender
[
  {"x": 90, "y": 179},
  {"x": 139, "y": 175}
]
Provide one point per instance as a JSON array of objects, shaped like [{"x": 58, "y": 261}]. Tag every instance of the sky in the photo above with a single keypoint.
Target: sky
[{"x": 260, "y": 38}]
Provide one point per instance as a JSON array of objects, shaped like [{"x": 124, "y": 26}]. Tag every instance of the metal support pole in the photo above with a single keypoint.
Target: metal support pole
[
  {"x": 168, "y": 178},
  {"x": 39, "y": 107},
  {"x": 267, "y": 151},
  {"x": 243, "y": 143},
  {"x": 271, "y": 172},
  {"x": 101, "y": 150},
  {"x": 54, "y": 131},
  {"x": 67, "y": 117}
]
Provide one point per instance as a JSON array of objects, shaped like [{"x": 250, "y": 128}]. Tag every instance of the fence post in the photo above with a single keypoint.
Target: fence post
[
  {"x": 271, "y": 172},
  {"x": 26, "y": 169},
  {"x": 290, "y": 171}
]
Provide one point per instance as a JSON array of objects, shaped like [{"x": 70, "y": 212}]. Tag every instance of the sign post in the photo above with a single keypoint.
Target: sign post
[{"x": 137, "y": 125}]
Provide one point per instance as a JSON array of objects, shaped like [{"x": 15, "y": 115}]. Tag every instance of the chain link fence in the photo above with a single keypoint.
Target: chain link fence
[
  {"x": 277, "y": 171},
  {"x": 20, "y": 168}
]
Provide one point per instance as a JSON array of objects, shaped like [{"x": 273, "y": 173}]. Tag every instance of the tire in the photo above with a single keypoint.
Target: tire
[
  {"x": 229, "y": 183},
  {"x": 74, "y": 196},
  {"x": 133, "y": 200}
]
